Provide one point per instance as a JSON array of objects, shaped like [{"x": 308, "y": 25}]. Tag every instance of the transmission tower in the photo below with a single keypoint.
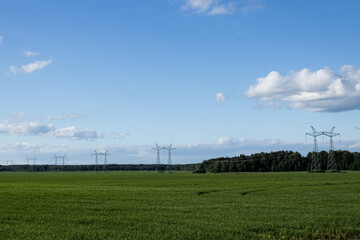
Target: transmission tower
[
  {"x": 31, "y": 159},
  {"x": 63, "y": 159},
  {"x": 96, "y": 154},
  {"x": 157, "y": 148},
  {"x": 315, "y": 163},
  {"x": 105, "y": 154},
  {"x": 169, "y": 148},
  {"x": 56, "y": 159},
  {"x": 331, "y": 165}
]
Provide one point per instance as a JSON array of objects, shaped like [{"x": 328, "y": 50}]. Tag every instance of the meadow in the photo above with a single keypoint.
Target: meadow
[{"x": 179, "y": 205}]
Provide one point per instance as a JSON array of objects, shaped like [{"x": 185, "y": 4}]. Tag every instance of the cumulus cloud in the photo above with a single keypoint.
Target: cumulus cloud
[
  {"x": 25, "y": 129},
  {"x": 1, "y": 38},
  {"x": 219, "y": 97},
  {"x": 29, "y": 68},
  {"x": 319, "y": 91},
  {"x": 40, "y": 129},
  {"x": 220, "y": 7},
  {"x": 76, "y": 133},
  {"x": 31, "y": 53}
]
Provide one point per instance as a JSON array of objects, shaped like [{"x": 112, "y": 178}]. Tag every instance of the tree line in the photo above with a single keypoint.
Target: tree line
[{"x": 278, "y": 162}]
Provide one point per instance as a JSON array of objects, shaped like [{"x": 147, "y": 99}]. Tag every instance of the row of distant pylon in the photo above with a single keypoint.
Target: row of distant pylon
[
  {"x": 315, "y": 162},
  {"x": 169, "y": 149}
]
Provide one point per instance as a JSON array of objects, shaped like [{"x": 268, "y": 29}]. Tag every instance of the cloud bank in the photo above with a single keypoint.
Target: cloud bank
[{"x": 319, "y": 91}]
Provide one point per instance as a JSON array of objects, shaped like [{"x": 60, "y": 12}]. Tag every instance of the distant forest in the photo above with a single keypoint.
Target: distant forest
[{"x": 280, "y": 161}]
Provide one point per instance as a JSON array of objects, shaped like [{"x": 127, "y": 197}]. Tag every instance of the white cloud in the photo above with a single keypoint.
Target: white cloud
[
  {"x": 219, "y": 97},
  {"x": 1, "y": 38},
  {"x": 31, "y": 53},
  {"x": 49, "y": 130},
  {"x": 222, "y": 9},
  {"x": 29, "y": 68},
  {"x": 76, "y": 133},
  {"x": 191, "y": 145},
  {"x": 355, "y": 145},
  {"x": 218, "y": 7},
  {"x": 199, "y": 6},
  {"x": 25, "y": 129},
  {"x": 322, "y": 90},
  {"x": 231, "y": 141},
  {"x": 226, "y": 141}
]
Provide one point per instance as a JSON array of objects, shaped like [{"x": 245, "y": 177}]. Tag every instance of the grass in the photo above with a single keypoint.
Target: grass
[{"x": 146, "y": 205}]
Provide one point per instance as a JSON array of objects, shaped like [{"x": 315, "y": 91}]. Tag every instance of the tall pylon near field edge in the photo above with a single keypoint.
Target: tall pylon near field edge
[
  {"x": 331, "y": 165},
  {"x": 169, "y": 148},
  {"x": 157, "y": 148},
  {"x": 315, "y": 163},
  {"x": 97, "y": 154}
]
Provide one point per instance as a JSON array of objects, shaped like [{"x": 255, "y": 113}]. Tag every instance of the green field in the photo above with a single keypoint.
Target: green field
[{"x": 148, "y": 205}]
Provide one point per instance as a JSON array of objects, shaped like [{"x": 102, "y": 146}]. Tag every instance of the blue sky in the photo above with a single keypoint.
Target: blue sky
[{"x": 213, "y": 77}]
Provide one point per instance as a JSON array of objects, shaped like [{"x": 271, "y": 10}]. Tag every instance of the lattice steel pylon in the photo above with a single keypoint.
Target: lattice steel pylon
[
  {"x": 331, "y": 165},
  {"x": 169, "y": 148},
  {"x": 30, "y": 168},
  {"x": 315, "y": 162},
  {"x": 96, "y": 154},
  {"x": 157, "y": 148},
  {"x": 105, "y": 154}
]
